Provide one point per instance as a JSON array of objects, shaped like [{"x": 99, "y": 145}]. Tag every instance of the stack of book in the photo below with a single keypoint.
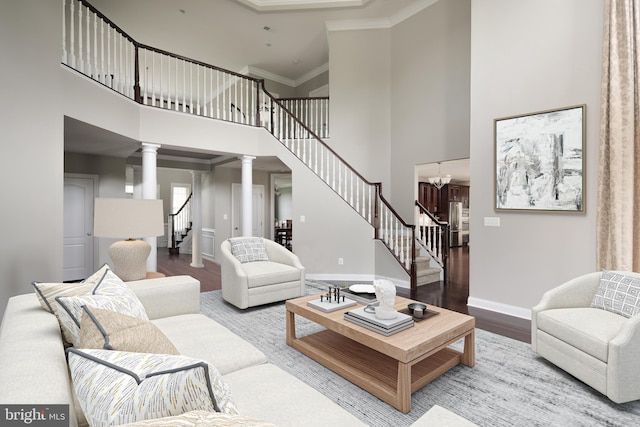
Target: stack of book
[{"x": 385, "y": 327}]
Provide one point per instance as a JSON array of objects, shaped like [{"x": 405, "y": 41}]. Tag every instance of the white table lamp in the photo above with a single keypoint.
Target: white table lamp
[{"x": 130, "y": 219}]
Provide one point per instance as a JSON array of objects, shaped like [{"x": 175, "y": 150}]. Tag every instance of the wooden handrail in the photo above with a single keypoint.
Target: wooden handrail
[{"x": 277, "y": 101}]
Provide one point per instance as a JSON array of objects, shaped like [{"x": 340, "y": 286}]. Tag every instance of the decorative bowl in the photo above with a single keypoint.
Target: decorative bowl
[{"x": 415, "y": 305}]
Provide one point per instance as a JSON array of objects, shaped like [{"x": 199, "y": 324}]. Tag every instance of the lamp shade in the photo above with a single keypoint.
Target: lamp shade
[{"x": 128, "y": 218}]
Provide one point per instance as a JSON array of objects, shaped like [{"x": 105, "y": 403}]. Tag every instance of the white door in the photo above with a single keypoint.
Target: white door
[
  {"x": 78, "y": 253},
  {"x": 257, "y": 205}
]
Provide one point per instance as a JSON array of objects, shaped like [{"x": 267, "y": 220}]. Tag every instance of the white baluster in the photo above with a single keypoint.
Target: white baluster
[
  {"x": 190, "y": 105},
  {"x": 161, "y": 83},
  {"x": 145, "y": 100},
  {"x": 96, "y": 68},
  {"x": 64, "y": 32},
  {"x": 72, "y": 34},
  {"x": 184, "y": 86}
]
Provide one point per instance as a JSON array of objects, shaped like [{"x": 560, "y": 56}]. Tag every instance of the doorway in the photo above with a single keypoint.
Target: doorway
[{"x": 79, "y": 255}]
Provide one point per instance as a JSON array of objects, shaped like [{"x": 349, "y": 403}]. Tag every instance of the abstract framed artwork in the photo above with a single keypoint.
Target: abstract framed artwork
[{"x": 540, "y": 162}]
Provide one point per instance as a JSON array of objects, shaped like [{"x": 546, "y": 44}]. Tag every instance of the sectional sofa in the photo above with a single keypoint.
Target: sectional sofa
[{"x": 34, "y": 370}]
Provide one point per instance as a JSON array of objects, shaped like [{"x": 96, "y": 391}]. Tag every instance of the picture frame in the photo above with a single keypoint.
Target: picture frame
[{"x": 540, "y": 161}]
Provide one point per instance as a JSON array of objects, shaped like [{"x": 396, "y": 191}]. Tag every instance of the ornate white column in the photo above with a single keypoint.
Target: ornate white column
[
  {"x": 196, "y": 219},
  {"x": 247, "y": 195},
  {"x": 149, "y": 191}
]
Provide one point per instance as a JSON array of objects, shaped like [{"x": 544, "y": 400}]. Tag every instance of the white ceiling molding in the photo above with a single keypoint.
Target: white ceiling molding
[
  {"x": 311, "y": 74},
  {"x": 258, "y": 72},
  {"x": 380, "y": 23},
  {"x": 358, "y": 24},
  {"x": 279, "y": 5}
]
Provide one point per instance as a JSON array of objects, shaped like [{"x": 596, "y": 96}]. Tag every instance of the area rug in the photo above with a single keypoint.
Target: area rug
[{"x": 509, "y": 385}]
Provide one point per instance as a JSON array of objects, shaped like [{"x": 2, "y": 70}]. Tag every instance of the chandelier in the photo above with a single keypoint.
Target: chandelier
[{"x": 439, "y": 181}]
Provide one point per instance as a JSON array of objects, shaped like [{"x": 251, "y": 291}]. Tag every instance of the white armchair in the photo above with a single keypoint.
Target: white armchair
[
  {"x": 599, "y": 347},
  {"x": 251, "y": 283}
]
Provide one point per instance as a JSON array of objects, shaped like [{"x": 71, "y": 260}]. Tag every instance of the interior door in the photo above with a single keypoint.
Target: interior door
[
  {"x": 78, "y": 245},
  {"x": 257, "y": 204}
]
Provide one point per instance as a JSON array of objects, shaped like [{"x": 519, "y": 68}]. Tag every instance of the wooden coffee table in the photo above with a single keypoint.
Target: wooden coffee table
[{"x": 390, "y": 368}]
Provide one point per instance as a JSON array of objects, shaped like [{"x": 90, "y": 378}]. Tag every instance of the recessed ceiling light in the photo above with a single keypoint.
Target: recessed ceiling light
[
  {"x": 296, "y": 61},
  {"x": 182, "y": 11},
  {"x": 266, "y": 28},
  {"x": 268, "y": 44}
]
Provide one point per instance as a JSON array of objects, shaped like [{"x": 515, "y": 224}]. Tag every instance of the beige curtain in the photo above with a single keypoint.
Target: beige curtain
[{"x": 618, "y": 223}]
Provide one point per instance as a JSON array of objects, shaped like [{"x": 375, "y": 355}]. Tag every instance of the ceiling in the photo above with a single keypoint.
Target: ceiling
[
  {"x": 458, "y": 169},
  {"x": 284, "y": 40}
]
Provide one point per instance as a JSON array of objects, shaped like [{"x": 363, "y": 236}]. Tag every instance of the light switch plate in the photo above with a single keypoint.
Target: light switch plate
[{"x": 491, "y": 221}]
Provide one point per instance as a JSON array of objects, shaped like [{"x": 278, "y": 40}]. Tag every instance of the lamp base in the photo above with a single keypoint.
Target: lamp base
[{"x": 130, "y": 259}]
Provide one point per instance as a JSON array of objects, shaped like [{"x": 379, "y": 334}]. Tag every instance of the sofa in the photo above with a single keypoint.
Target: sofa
[
  {"x": 590, "y": 327},
  {"x": 34, "y": 369},
  {"x": 258, "y": 271}
]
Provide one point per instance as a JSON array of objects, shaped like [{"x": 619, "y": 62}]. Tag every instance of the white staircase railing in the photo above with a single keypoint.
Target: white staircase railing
[{"x": 312, "y": 112}]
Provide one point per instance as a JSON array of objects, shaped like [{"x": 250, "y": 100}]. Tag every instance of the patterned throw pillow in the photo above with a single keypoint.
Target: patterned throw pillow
[
  {"x": 47, "y": 292},
  {"x": 110, "y": 294},
  {"x": 115, "y": 387},
  {"x": 618, "y": 293},
  {"x": 203, "y": 419},
  {"x": 248, "y": 249},
  {"x": 109, "y": 330}
]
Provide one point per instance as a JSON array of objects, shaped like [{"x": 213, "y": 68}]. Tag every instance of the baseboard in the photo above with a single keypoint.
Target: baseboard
[
  {"x": 357, "y": 278},
  {"x": 338, "y": 277},
  {"x": 498, "y": 307}
]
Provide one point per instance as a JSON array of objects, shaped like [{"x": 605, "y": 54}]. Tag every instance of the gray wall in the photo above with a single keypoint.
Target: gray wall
[
  {"x": 32, "y": 138},
  {"x": 429, "y": 94},
  {"x": 360, "y": 73},
  {"x": 528, "y": 56}
]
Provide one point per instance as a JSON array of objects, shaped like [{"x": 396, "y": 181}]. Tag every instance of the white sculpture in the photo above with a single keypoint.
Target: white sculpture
[{"x": 386, "y": 295}]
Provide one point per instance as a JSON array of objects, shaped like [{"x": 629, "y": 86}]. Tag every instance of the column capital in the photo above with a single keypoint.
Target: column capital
[
  {"x": 150, "y": 148},
  {"x": 248, "y": 159}
]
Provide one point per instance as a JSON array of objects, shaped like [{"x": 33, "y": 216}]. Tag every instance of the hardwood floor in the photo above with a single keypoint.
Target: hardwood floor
[
  {"x": 180, "y": 264},
  {"x": 452, "y": 296}
]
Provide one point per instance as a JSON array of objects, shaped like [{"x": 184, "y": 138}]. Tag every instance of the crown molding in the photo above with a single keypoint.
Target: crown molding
[
  {"x": 311, "y": 74},
  {"x": 259, "y": 72},
  {"x": 380, "y": 23},
  {"x": 279, "y": 5}
]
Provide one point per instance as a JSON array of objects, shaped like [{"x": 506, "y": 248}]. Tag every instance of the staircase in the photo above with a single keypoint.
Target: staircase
[
  {"x": 425, "y": 272},
  {"x": 180, "y": 225},
  {"x": 173, "y": 82}
]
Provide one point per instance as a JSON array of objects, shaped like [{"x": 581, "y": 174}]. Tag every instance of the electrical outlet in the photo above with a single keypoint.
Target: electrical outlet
[
  {"x": 302, "y": 218},
  {"x": 340, "y": 261}
]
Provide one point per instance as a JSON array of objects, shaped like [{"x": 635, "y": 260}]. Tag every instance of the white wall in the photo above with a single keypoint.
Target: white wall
[{"x": 529, "y": 56}]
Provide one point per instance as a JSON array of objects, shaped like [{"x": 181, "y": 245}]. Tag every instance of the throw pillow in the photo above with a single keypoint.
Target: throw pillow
[
  {"x": 47, "y": 292},
  {"x": 248, "y": 249},
  {"x": 618, "y": 293},
  {"x": 110, "y": 294},
  {"x": 203, "y": 419},
  {"x": 115, "y": 387},
  {"x": 110, "y": 330}
]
